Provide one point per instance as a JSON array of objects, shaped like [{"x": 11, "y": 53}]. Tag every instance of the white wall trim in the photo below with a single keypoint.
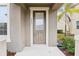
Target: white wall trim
[
  {"x": 31, "y": 21},
  {"x": 8, "y": 25}
]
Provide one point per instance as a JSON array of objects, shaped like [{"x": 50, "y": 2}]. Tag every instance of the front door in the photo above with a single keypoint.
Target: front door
[{"x": 39, "y": 27}]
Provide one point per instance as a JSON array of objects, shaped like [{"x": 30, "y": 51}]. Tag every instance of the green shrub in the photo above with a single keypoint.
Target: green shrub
[{"x": 69, "y": 44}]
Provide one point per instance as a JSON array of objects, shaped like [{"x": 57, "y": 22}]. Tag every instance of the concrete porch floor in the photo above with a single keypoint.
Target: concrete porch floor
[{"x": 40, "y": 50}]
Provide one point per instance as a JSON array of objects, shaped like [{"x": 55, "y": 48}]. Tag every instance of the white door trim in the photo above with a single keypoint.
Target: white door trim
[{"x": 31, "y": 21}]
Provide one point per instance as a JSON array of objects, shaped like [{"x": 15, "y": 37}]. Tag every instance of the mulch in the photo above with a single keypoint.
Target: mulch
[
  {"x": 11, "y": 53},
  {"x": 66, "y": 52}
]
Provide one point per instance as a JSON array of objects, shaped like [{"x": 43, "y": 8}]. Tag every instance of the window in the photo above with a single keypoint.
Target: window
[
  {"x": 3, "y": 19},
  {"x": 77, "y": 24},
  {"x": 3, "y": 28}
]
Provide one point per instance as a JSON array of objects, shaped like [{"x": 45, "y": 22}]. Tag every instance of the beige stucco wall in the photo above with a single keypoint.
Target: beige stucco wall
[
  {"x": 19, "y": 28},
  {"x": 23, "y": 26},
  {"x": 28, "y": 35},
  {"x": 17, "y": 41},
  {"x": 76, "y": 18},
  {"x": 3, "y": 48},
  {"x": 76, "y": 47},
  {"x": 52, "y": 28}
]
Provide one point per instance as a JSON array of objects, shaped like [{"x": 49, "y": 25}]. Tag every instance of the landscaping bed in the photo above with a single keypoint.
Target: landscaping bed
[
  {"x": 65, "y": 51},
  {"x": 66, "y": 44}
]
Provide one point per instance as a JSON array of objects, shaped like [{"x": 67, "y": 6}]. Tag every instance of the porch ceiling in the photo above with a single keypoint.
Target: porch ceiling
[
  {"x": 39, "y": 4},
  {"x": 53, "y": 6}
]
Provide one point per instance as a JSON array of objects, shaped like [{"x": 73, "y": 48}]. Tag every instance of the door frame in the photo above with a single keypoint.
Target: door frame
[{"x": 31, "y": 22}]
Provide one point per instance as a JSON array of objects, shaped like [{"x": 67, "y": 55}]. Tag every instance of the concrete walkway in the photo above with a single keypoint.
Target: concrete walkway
[{"x": 40, "y": 50}]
